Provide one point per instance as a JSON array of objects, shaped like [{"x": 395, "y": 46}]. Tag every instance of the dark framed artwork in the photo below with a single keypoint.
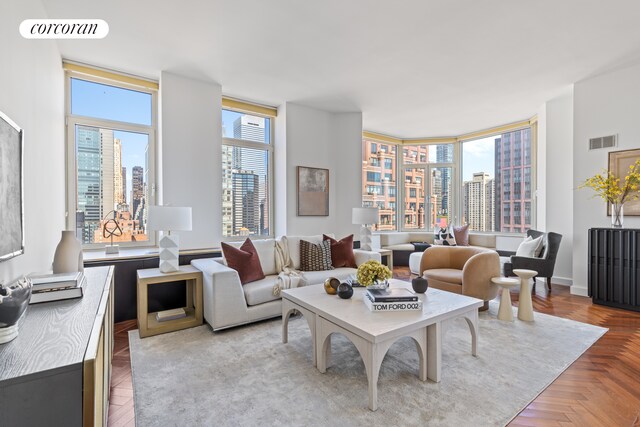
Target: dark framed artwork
[
  {"x": 11, "y": 199},
  {"x": 313, "y": 191},
  {"x": 619, "y": 162}
]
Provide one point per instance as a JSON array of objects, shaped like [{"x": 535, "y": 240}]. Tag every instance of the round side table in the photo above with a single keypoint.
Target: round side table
[
  {"x": 505, "y": 312},
  {"x": 525, "y": 305}
]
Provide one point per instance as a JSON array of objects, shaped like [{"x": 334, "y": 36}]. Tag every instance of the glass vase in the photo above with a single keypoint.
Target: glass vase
[
  {"x": 617, "y": 215},
  {"x": 379, "y": 284}
]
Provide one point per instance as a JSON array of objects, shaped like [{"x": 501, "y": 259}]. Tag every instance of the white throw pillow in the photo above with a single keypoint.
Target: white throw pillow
[
  {"x": 529, "y": 246},
  {"x": 444, "y": 236}
]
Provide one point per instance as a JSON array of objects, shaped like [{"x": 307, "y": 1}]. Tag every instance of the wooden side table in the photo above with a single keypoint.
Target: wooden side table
[
  {"x": 147, "y": 323},
  {"x": 386, "y": 253}
]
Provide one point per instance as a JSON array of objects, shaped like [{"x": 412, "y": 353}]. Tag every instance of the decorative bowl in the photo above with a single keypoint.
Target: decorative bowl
[
  {"x": 345, "y": 291},
  {"x": 14, "y": 300},
  {"x": 331, "y": 285},
  {"x": 420, "y": 285}
]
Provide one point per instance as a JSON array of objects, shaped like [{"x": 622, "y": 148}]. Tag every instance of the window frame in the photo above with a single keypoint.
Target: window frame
[
  {"x": 457, "y": 192},
  {"x": 71, "y": 121},
  {"x": 533, "y": 126},
  {"x": 269, "y": 148}
]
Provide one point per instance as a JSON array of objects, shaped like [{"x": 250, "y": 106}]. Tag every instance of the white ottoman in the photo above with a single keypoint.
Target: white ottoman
[{"x": 414, "y": 262}]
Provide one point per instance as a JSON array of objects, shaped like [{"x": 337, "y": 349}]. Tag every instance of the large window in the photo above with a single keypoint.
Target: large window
[
  {"x": 497, "y": 182},
  {"x": 247, "y": 156},
  {"x": 111, "y": 139},
  {"x": 493, "y": 178}
]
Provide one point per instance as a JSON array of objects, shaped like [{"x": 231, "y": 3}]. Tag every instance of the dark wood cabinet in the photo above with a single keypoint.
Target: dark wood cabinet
[{"x": 614, "y": 267}]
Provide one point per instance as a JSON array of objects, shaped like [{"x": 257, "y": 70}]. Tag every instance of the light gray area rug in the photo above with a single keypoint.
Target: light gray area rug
[{"x": 246, "y": 376}]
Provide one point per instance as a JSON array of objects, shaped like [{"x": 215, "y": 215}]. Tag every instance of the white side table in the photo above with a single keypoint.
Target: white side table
[
  {"x": 506, "y": 283},
  {"x": 525, "y": 305},
  {"x": 386, "y": 253}
]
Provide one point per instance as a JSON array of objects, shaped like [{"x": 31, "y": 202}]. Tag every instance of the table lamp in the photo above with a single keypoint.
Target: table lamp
[
  {"x": 169, "y": 218},
  {"x": 365, "y": 217}
]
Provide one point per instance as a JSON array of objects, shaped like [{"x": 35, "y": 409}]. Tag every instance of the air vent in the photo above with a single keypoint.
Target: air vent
[{"x": 603, "y": 142}]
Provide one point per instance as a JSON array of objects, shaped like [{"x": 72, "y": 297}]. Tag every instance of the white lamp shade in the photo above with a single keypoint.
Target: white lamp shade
[
  {"x": 169, "y": 218},
  {"x": 364, "y": 216}
]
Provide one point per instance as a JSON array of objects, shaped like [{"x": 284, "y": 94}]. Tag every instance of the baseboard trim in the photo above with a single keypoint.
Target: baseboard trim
[
  {"x": 564, "y": 281},
  {"x": 578, "y": 290}
]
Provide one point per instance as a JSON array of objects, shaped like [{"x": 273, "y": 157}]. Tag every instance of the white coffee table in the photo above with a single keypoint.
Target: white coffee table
[{"x": 374, "y": 333}]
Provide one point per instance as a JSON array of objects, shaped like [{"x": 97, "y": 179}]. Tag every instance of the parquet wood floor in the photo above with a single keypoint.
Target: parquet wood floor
[{"x": 601, "y": 388}]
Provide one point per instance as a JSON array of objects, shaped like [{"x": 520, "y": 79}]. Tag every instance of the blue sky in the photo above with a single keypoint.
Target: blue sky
[{"x": 478, "y": 156}]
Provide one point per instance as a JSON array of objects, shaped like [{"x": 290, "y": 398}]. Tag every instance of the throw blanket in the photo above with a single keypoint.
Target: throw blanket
[{"x": 288, "y": 277}]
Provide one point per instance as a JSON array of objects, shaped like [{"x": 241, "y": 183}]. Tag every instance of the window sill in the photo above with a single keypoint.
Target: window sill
[{"x": 99, "y": 255}]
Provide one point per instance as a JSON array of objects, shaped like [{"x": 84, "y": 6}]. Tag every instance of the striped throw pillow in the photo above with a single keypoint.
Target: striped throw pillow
[{"x": 315, "y": 257}]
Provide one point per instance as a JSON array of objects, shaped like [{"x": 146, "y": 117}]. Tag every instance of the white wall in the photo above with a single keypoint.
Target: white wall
[
  {"x": 332, "y": 141},
  {"x": 191, "y": 155},
  {"x": 558, "y": 170},
  {"x": 604, "y": 105},
  {"x": 32, "y": 95},
  {"x": 280, "y": 172}
]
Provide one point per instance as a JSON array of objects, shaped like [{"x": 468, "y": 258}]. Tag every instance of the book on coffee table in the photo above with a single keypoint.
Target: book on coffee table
[
  {"x": 391, "y": 295},
  {"x": 380, "y": 307}
]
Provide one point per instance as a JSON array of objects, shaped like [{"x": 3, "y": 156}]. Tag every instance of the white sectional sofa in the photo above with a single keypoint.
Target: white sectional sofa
[
  {"x": 228, "y": 303},
  {"x": 405, "y": 253}
]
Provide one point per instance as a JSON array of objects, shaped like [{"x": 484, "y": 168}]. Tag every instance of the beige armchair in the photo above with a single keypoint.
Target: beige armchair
[{"x": 463, "y": 270}]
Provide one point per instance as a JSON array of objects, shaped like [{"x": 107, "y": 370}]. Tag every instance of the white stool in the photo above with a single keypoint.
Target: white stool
[
  {"x": 505, "y": 312},
  {"x": 525, "y": 305}
]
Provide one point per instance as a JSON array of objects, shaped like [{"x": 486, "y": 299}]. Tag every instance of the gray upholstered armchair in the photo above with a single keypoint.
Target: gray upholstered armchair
[{"x": 544, "y": 265}]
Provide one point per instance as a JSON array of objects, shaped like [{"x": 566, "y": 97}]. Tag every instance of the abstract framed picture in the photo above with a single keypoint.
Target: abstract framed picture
[
  {"x": 11, "y": 198},
  {"x": 619, "y": 162},
  {"x": 313, "y": 191}
]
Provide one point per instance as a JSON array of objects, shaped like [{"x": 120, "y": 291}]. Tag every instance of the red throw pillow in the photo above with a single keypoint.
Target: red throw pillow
[
  {"x": 461, "y": 235},
  {"x": 244, "y": 260},
  {"x": 342, "y": 252}
]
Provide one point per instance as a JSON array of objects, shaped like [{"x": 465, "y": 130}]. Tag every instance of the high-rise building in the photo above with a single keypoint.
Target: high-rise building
[
  {"x": 107, "y": 175},
  {"x": 513, "y": 181},
  {"x": 479, "y": 202},
  {"x": 137, "y": 190},
  {"x": 118, "y": 188},
  {"x": 250, "y": 128},
  {"x": 95, "y": 178},
  {"x": 444, "y": 154},
  {"x": 379, "y": 181},
  {"x": 241, "y": 161},
  {"x": 245, "y": 194},
  {"x": 88, "y": 181},
  {"x": 124, "y": 185},
  {"x": 227, "y": 190}
]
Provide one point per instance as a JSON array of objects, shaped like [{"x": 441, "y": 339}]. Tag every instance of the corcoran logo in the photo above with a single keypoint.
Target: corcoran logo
[{"x": 64, "y": 29}]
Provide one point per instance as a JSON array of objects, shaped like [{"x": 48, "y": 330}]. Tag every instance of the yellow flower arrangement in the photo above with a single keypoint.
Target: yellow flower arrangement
[
  {"x": 372, "y": 271},
  {"x": 607, "y": 186}
]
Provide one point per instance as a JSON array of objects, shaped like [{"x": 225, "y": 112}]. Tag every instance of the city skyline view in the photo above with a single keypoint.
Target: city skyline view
[
  {"x": 245, "y": 179},
  {"x": 495, "y": 190},
  {"x": 112, "y": 167}
]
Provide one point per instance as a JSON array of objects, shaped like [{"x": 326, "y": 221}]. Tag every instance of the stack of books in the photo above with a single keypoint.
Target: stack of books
[
  {"x": 174, "y": 314},
  {"x": 54, "y": 287},
  {"x": 392, "y": 299}
]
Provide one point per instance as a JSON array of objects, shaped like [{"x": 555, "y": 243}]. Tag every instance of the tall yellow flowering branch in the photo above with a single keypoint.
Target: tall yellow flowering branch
[{"x": 607, "y": 186}]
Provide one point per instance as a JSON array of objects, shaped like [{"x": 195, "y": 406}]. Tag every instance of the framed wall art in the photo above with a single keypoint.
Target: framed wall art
[
  {"x": 313, "y": 191},
  {"x": 619, "y": 162},
  {"x": 11, "y": 199}
]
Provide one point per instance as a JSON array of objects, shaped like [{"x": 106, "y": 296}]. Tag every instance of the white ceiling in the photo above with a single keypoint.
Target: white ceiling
[{"x": 415, "y": 68}]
